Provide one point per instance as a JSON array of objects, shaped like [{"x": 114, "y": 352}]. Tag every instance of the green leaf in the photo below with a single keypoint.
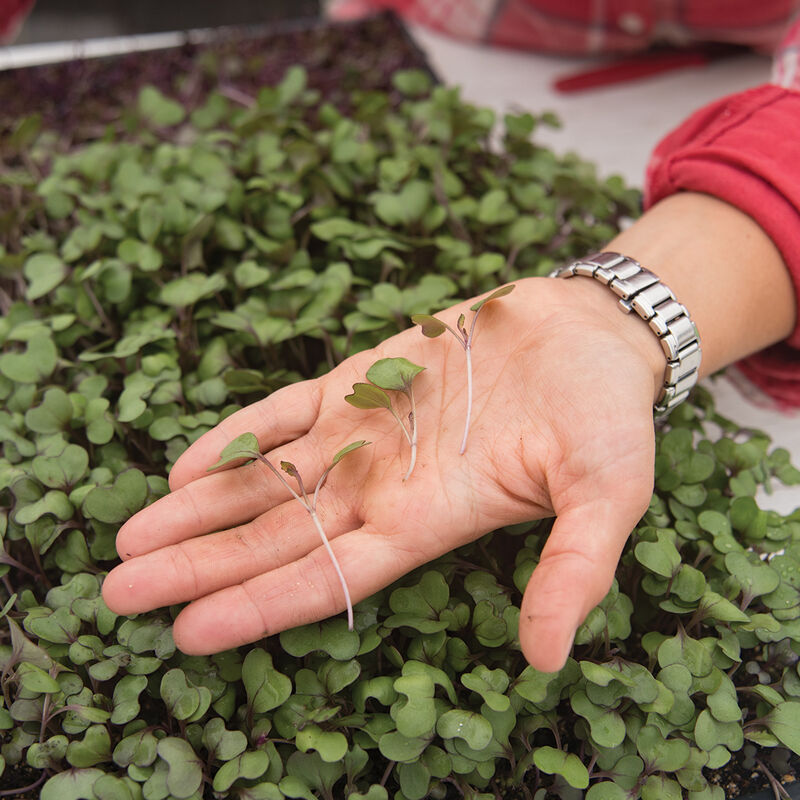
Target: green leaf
[
  {"x": 185, "y": 774},
  {"x": 44, "y": 271},
  {"x": 222, "y": 743},
  {"x": 266, "y": 687},
  {"x": 94, "y": 748},
  {"x": 120, "y": 501},
  {"x": 501, "y": 292},
  {"x": 396, "y": 747},
  {"x": 474, "y": 729},
  {"x": 72, "y": 784},
  {"x": 141, "y": 254},
  {"x": 126, "y": 698},
  {"x": 48, "y": 754},
  {"x": 331, "y": 745},
  {"x": 35, "y": 679},
  {"x": 60, "y": 627},
  {"x": 393, "y": 373},
  {"x": 293, "y": 85},
  {"x": 247, "y": 766},
  {"x": 330, "y": 636},
  {"x": 431, "y": 327},
  {"x": 494, "y": 208},
  {"x": 412, "y": 82},
  {"x": 62, "y": 471},
  {"x": 490, "y": 685},
  {"x": 784, "y": 722},
  {"x": 375, "y": 792},
  {"x": 683, "y": 649},
  {"x": 191, "y": 288},
  {"x": 244, "y": 446},
  {"x": 709, "y": 732},
  {"x": 660, "y": 557},
  {"x": 36, "y": 363},
  {"x": 184, "y": 700},
  {"x": 159, "y": 109},
  {"x": 415, "y": 714},
  {"x": 659, "y": 787},
  {"x": 557, "y": 762},
  {"x": 606, "y": 790},
  {"x": 137, "y": 748},
  {"x": 755, "y": 577},
  {"x": 606, "y": 725},
  {"x": 334, "y": 228},
  {"x": 660, "y": 753},
  {"x": 406, "y": 206},
  {"x": 348, "y": 449},
  {"x": 52, "y": 415},
  {"x": 366, "y": 396}
]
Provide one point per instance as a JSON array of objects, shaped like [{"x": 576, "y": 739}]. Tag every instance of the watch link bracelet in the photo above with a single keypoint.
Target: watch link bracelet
[{"x": 641, "y": 291}]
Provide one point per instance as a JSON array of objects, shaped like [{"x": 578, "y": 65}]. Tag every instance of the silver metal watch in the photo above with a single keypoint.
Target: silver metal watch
[{"x": 641, "y": 291}]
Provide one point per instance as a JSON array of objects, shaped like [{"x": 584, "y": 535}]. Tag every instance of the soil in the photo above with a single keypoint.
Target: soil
[
  {"x": 80, "y": 97},
  {"x": 746, "y": 774}
]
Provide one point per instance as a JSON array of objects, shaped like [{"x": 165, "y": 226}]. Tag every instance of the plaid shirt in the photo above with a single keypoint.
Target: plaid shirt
[{"x": 585, "y": 27}]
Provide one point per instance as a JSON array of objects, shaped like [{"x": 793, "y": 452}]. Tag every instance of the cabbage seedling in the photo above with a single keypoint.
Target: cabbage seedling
[
  {"x": 433, "y": 327},
  {"x": 246, "y": 446},
  {"x": 392, "y": 374}
]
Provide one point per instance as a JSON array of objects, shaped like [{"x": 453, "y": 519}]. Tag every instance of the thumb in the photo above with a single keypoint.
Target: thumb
[{"x": 574, "y": 574}]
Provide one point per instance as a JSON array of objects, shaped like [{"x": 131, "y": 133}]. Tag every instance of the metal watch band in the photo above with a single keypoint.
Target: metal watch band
[{"x": 641, "y": 291}]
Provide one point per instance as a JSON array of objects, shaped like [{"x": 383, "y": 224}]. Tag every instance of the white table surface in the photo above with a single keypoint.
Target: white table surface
[{"x": 616, "y": 127}]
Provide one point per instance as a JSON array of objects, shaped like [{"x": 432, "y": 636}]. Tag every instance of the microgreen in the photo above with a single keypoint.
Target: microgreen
[
  {"x": 245, "y": 446},
  {"x": 397, "y": 375},
  {"x": 432, "y": 327}
]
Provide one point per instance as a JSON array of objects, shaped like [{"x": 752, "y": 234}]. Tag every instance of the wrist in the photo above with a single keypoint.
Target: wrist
[
  {"x": 642, "y": 294},
  {"x": 722, "y": 266}
]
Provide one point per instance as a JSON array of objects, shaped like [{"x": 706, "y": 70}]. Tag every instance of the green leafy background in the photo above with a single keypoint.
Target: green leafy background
[{"x": 183, "y": 264}]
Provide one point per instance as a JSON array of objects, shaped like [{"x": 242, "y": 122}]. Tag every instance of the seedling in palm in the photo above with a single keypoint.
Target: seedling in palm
[
  {"x": 391, "y": 374},
  {"x": 433, "y": 327},
  {"x": 246, "y": 446}
]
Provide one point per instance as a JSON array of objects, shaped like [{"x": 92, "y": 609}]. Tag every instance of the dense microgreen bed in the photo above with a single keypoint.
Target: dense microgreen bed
[{"x": 181, "y": 265}]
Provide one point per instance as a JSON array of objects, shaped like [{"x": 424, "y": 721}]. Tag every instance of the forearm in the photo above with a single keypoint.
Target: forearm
[{"x": 722, "y": 266}]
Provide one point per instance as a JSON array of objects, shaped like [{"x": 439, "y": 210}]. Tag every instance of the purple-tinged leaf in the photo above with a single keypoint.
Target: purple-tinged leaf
[
  {"x": 244, "y": 446},
  {"x": 349, "y": 449},
  {"x": 501, "y": 292},
  {"x": 431, "y": 327},
  {"x": 290, "y": 469},
  {"x": 395, "y": 374},
  {"x": 365, "y": 395}
]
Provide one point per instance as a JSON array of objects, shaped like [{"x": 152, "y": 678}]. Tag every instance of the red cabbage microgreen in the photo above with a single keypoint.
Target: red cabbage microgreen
[
  {"x": 246, "y": 447},
  {"x": 433, "y": 327},
  {"x": 391, "y": 374}
]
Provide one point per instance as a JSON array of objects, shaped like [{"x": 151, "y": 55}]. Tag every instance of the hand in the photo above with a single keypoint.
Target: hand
[{"x": 562, "y": 424}]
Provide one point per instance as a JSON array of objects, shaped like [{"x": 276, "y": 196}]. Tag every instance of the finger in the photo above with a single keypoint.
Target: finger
[
  {"x": 298, "y": 593},
  {"x": 217, "y": 501},
  {"x": 206, "y": 564},
  {"x": 283, "y": 416},
  {"x": 574, "y": 574}
]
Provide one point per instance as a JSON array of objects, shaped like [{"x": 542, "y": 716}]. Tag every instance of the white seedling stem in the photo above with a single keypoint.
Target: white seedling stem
[
  {"x": 468, "y": 353},
  {"x": 336, "y": 566},
  {"x": 311, "y": 507},
  {"x": 413, "y": 438}
]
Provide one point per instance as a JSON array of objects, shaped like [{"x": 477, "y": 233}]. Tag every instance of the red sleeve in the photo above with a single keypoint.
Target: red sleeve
[
  {"x": 12, "y": 13},
  {"x": 745, "y": 149}
]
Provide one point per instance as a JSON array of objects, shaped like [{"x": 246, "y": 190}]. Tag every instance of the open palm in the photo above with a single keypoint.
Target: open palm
[{"x": 562, "y": 424}]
